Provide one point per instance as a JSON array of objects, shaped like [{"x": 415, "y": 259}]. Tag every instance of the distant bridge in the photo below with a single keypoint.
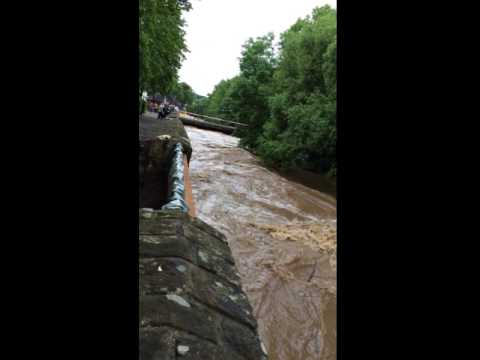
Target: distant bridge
[{"x": 209, "y": 122}]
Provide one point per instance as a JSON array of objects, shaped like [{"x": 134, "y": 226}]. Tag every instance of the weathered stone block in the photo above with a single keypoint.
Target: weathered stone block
[
  {"x": 180, "y": 312},
  {"x": 218, "y": 265},
  {"x": 191, "y": 348},
  {"x": 163, "y": 275},
  {"x": 157, "y": 344},
  {"x": 191, "y": 302},
  {"x": 242, "y": 340},
  {"x": 207, "y": 241},
  {"x": 166, "y": 246},
  {"x": 221, "y": 295}
]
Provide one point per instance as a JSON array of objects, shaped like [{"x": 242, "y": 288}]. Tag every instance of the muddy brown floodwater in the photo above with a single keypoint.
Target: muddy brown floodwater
[{"x": 283, "y": 238}]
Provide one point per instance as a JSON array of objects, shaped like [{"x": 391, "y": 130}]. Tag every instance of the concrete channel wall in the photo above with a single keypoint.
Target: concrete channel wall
[{"x": 192, "y": 305}]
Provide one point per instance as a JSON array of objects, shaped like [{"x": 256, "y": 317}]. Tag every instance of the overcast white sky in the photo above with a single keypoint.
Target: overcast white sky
[{"x": 217, "y": 29}]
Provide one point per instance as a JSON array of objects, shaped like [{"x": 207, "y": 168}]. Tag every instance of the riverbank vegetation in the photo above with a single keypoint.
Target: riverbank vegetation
[
  {"x": 286, "y": 94},
  {"x": 286, "y": 90}
]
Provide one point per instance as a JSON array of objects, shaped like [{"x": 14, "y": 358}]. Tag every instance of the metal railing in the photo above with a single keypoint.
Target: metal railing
[{"x": 210, "y": 117}]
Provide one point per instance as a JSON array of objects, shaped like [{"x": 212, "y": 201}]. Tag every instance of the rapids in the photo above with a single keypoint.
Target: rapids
[{"x": 283, "y": 238}]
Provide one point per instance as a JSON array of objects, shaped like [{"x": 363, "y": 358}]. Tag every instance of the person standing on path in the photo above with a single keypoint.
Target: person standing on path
[{"x": 160, "y": 111}]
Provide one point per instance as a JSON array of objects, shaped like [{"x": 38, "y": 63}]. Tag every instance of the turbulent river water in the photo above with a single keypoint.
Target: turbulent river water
[{"x": 283, "y": 238}]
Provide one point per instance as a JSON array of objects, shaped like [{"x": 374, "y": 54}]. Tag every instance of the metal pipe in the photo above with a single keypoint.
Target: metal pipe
[{"x": 176, "y": 181}]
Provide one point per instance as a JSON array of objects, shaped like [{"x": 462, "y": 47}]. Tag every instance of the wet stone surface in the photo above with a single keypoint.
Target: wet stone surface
[
  {"x": 157, "y": 343},
  {"x": 159, "y": 141},
  {"x": 158, "y": 137},
  {"x": 191, "y": 303}
]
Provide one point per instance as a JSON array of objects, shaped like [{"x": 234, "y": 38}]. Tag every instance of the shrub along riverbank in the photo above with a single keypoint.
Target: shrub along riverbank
[{"x": 287, "y": 95}]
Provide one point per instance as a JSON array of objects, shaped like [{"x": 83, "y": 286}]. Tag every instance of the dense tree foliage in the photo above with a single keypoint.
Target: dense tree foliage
[
  {"x": 287, "y": 99},
  {"x": 245, "y": 98},
  {"x": 198, "y": 105},
  {"x": 162, "y": 44},
  {"x": 183, "y": 93},
  {"x": 301, "y": 130}
]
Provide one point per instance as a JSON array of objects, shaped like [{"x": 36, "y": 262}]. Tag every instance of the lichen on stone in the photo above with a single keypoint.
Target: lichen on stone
[
  {"x": 233, "y": 297},
  {"x": 203, "y": 256},
  {"x": 181, "y": 268},
  {"x": 178, "y": 299},
  {"x": 263, "y": 348},
  {"x": 182, "y": 349}
]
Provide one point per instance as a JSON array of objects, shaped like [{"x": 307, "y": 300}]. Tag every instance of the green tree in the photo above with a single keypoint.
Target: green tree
[
  {"x": 216, "y": 100},
  {"x": 161, "y": 44},
  {"x": 199, "y": 104},
  {"x": 248, "y": 96},
  {"x": 301, "y": 130},
  {"x": 287, "y": 99},
  {"x": 183, "y": 93}
]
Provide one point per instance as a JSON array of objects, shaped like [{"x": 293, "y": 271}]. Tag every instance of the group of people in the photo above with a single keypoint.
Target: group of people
[{"x": 163, "y": 109}]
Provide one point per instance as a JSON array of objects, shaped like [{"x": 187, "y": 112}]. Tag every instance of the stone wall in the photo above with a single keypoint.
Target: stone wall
[
  {"x": 192, "y": 305},
  {"x": 159, "y": 139},
  {"x": 191, "y": 302}
]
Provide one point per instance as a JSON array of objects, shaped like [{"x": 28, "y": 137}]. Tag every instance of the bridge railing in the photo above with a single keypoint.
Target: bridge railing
[{"x": 203, "y": 117}]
